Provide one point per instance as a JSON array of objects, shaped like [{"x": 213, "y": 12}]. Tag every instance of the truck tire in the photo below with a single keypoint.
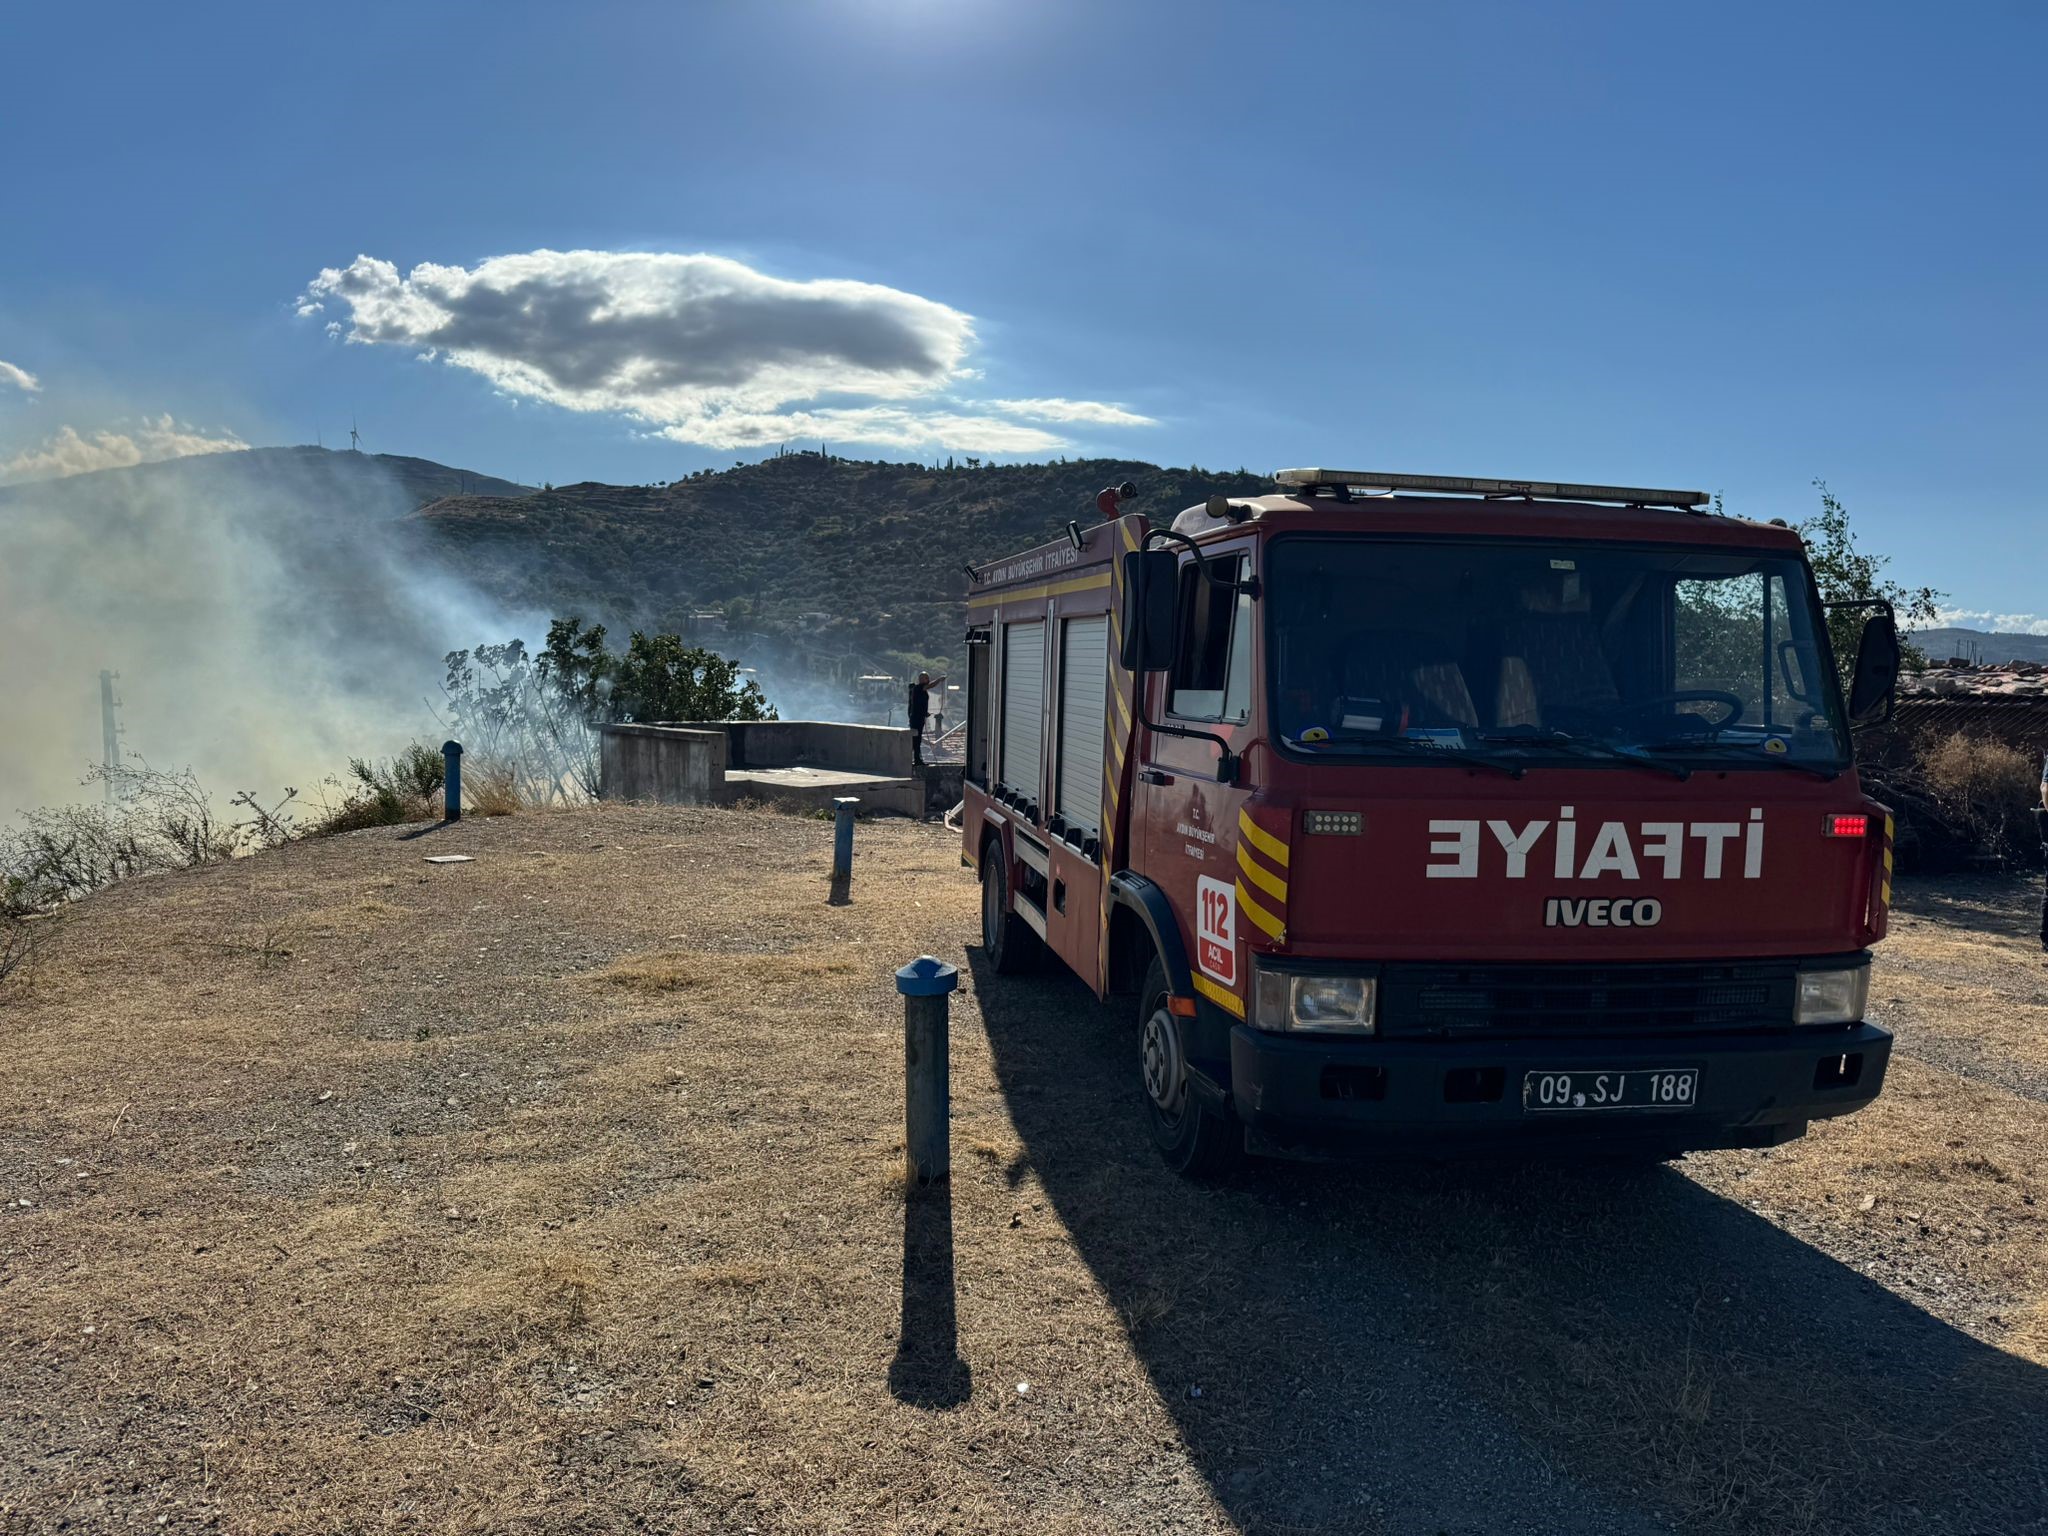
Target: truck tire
[
  {"x": 1006, "y": 938},
  {"x": 1197, "y": 1142}
]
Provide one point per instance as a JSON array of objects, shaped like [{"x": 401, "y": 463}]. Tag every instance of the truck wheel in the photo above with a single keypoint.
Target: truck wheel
[
  {"x": 1196, "y": 1142},
  {"x": 1007, "y": 939}
]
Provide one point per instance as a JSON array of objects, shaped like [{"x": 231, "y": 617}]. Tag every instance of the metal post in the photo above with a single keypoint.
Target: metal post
[
  {"x": 927, "y": 1095},
  {"x": 842, "y": 838},
  {"x": 451, "y": 781},
  {"x": 110, "y": 746}
]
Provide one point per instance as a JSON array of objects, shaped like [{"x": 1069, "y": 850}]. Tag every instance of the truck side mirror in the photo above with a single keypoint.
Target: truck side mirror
[
  {"x": 1151, "y": 579},
  {"x": 1875, "y": 681}
]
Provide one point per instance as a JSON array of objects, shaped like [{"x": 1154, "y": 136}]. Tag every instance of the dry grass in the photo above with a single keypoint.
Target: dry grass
[
  {"x": 490, "y": 789},
  {"x": 560, "y": 1192}
]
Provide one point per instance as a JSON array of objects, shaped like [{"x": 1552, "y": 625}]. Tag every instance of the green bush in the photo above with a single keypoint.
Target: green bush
[{"x": 402, "y": 789}]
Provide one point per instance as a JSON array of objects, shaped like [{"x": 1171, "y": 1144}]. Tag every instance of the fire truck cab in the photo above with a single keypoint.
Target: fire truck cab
[{"x": 1423, "y": 813}]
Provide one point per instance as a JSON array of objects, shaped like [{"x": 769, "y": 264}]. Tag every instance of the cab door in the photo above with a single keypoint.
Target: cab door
[{"x": 1189, "y": 817}]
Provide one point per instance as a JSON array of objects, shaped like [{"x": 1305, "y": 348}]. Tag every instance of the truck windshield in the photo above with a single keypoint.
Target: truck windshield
[{"x": 1586, "y": 652}]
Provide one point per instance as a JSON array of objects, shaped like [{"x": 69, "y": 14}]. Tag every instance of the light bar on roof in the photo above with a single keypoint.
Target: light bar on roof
[{"x": 1459, "y": 485}]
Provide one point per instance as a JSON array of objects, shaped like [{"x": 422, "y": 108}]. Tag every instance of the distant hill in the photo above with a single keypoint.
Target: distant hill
[
  {"x": 841, "y": 554},
  {"x": 1980, "y": 645},
  {"x": 324, "y": 480}
]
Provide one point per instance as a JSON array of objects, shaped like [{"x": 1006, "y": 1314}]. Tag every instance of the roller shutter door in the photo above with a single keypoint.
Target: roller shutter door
[
  {"x": 1084, "y": 699},
  {"x": 1023, "y": 745}
]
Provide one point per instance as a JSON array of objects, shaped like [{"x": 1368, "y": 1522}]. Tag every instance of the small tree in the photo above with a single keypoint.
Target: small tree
[
  {"x": 658, "y": 678},
  {"x": 1845, "y": 573}
]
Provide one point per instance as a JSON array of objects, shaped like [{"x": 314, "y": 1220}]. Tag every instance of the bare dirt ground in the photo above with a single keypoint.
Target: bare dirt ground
[{"x": 559, "y": 1192}]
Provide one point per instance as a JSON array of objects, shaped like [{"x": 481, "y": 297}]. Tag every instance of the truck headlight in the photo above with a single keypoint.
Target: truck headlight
[
  {"x": 1341, "y": 1004},
  {"x": 1832, "y": 997}
]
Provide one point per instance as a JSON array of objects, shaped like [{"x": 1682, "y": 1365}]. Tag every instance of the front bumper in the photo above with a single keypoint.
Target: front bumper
[{"x": 1308, "y": 1095}]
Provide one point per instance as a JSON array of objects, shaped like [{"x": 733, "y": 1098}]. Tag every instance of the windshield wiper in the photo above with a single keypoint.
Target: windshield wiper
[
  {"x": 1581, "y": 746},
  {"x": 1395, "y": 744},
  {"x": 1751, "y": 753}
]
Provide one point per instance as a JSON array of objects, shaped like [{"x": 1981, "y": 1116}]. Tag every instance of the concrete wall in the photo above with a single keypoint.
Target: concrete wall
[
  {"x": 942, "y": 788},
  {"x": 676, "y": 765},
  {"x": 686, "y": 764},
  {"x": 785, "y": 743}
]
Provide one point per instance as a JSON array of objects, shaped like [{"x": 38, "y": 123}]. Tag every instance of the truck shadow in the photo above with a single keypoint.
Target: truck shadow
[{"x": 1492, "y": 1347}]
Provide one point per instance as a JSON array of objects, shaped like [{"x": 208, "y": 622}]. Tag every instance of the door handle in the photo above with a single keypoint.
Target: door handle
[{"x": 1154, "y": 776}]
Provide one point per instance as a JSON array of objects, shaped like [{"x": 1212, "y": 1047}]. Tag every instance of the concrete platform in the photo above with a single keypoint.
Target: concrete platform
[{"x": 818, "y": 784}]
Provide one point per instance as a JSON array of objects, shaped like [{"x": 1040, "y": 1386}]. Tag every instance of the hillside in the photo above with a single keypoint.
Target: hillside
[
  {"x": 847, "y": 555},
  {"x": 321, "y": 482},
  {"x": 1980, "y": 646}
]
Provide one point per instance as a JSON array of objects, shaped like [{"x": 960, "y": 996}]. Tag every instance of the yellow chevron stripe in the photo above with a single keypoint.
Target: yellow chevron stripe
[
  {"x": 1263, "y": 878},
  {"x": 1261, "y": 839},
  {"x": 1123, "y": 710},
  {"x": 1047, "y": 589},
  {"x": 1229, "y": 1002},
  {"x": 1275, "y": 929},
  {"x": 1130, "y": 536}
]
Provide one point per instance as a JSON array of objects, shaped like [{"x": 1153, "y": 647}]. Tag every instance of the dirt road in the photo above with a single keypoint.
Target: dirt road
[{"x": 557, "y": 1192}]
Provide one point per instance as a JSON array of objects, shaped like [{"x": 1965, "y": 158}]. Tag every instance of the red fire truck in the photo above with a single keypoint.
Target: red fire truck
[{"x": 1429, "y": 812}]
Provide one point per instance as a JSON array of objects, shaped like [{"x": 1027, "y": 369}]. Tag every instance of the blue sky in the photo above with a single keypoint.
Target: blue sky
[{"x": 1737, "y": 246}]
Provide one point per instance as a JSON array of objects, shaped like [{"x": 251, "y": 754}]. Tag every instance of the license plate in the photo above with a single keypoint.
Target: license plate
[{"x": 1649, "y": 1088}]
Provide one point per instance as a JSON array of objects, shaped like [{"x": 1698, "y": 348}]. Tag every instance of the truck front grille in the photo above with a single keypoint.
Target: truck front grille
[{"x": 1571, "y": 999}]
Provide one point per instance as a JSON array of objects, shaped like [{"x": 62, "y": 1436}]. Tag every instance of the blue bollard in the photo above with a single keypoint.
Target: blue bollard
[
  {"x": 842, "y": 838},
  {"x": 927, "y": 1092},
  {"x": 451, "y": 781}
]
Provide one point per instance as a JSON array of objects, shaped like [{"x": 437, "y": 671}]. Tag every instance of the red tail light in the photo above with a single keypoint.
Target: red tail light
[{"x": 1840, "y": 825}]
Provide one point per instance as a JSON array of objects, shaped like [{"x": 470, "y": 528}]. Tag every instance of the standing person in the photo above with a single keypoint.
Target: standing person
[{"x": 920, "y": 707}]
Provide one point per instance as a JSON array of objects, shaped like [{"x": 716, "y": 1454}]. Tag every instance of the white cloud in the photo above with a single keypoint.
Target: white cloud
[
  {"x": 1996, "y": 623},
  {"x": 71, "y": 453},
  {"x": 1093, "y": 412},
  {"x": 884, "y": 426},
  {"x": 700, "y": 349},
  {"x": 20, "y": 378}
]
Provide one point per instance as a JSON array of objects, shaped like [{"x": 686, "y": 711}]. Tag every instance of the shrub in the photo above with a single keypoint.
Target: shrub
[
  {"x": 152, "y": 821},
  {"x": 1963, "y": 802},
  {"x": 402, "y": 789},
  {"x": 1988, "y": 791},
  {"x": 17, "y": 945}
]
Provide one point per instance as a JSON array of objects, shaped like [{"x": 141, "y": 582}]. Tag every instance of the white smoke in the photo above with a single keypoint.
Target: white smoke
[{"x": 266, "y": 613}]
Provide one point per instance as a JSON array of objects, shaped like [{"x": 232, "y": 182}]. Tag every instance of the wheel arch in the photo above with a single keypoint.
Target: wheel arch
[{"x": 1140, "y": 915}]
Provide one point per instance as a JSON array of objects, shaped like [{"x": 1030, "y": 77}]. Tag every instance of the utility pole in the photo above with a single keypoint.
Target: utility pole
[{"x": 110, "y": 733}]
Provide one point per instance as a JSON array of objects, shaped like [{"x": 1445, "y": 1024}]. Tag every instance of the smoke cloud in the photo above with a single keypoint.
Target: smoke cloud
[{"x": 267, "y": 613}]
